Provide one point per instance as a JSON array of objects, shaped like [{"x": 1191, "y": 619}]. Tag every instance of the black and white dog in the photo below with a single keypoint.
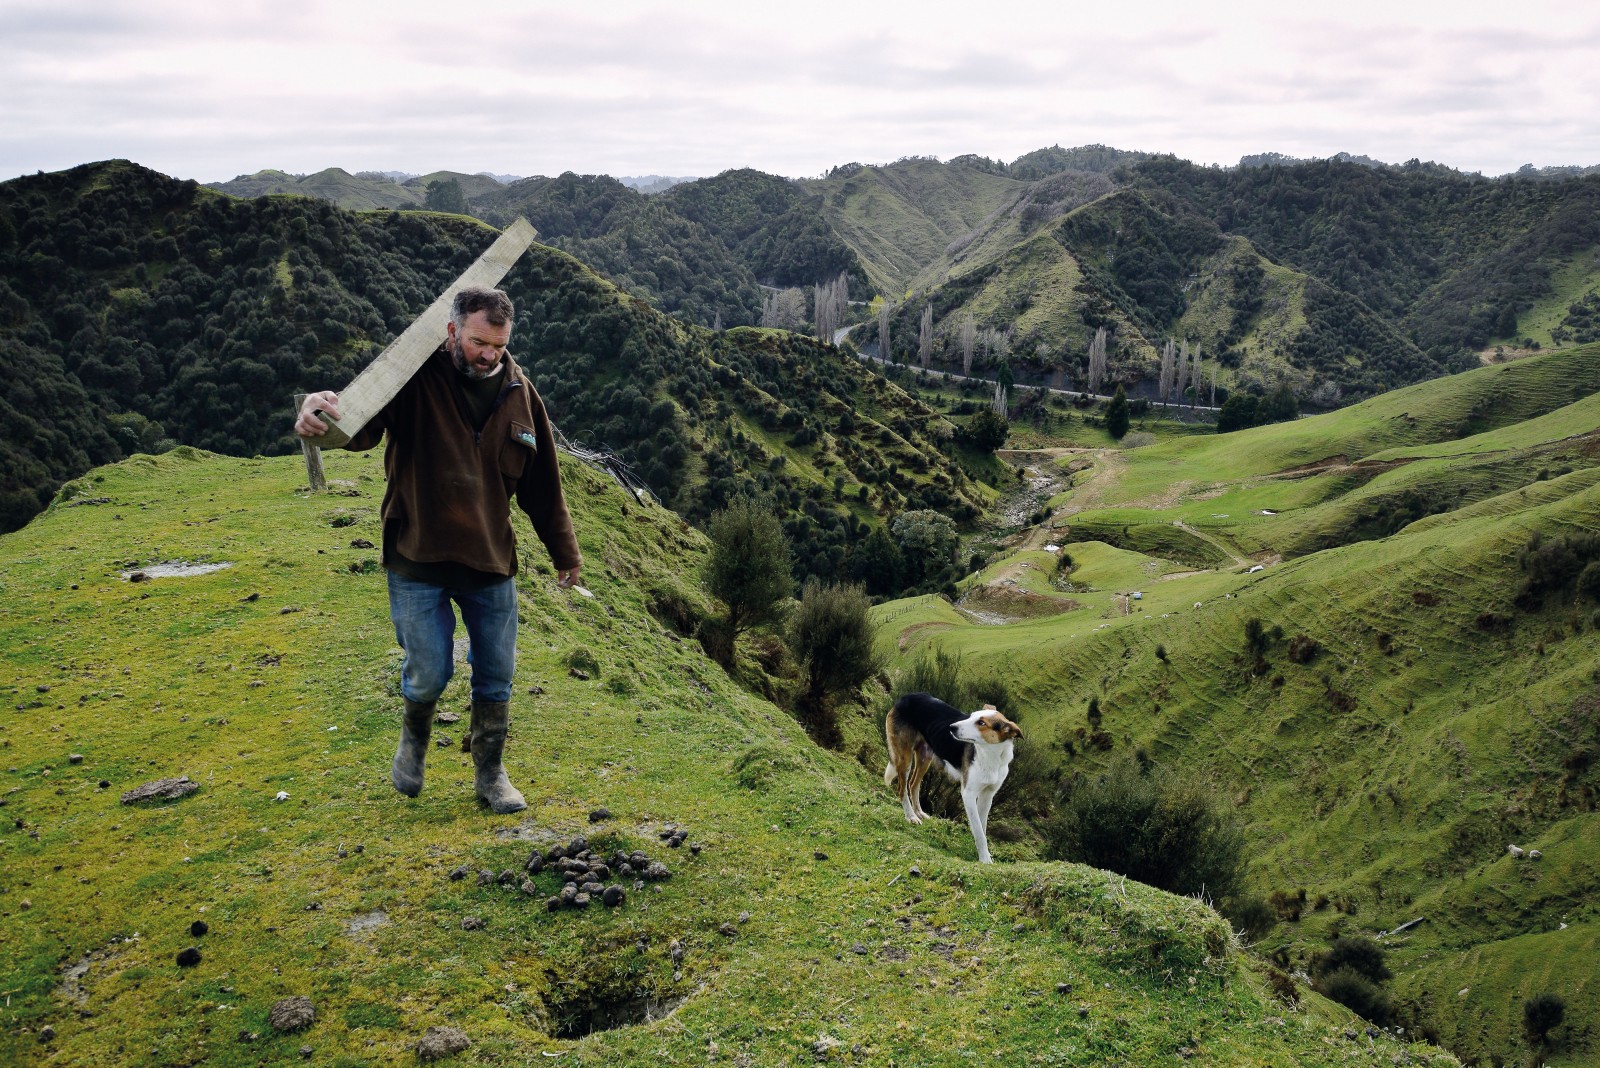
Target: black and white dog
[{"x": 975, "y": 751}]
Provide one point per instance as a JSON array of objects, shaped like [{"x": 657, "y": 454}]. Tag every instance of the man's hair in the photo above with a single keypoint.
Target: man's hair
[{"x": 494, "y": 304}]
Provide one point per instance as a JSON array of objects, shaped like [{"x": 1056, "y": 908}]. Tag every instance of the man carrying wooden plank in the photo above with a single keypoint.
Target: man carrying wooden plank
[{"x": 466, "y": 433}]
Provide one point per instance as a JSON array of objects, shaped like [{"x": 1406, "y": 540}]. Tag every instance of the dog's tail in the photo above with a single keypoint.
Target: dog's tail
[{"x": 888, "y": 774}]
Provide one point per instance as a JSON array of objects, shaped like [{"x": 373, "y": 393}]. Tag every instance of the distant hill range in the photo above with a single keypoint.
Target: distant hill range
[
  {"x": 361, "y": 191},
  {"x": 1338, "y": 277},
  {"x": 653, "y": 183}
]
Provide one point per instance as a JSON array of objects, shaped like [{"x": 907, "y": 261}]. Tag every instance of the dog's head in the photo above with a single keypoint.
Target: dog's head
[{"x": 987, "y": 726}]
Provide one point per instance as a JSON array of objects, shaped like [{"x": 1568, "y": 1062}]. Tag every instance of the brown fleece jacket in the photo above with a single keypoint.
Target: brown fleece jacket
[{"x": 450, "y": 487}]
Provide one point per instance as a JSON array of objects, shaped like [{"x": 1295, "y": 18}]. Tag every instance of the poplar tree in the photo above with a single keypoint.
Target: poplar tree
[
  {"x": 829, "y": 300},
  {"x": 969, "y": 338},
  {"x": 885, "y": 352},
  {"x": 1183, "y": 368},
  {"x": 1097, "y": 360},
  {"x": 1164, "y": 388},
  {"x": 925, "y": 338}
]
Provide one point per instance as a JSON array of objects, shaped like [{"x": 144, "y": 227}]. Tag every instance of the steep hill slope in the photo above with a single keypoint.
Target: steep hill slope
[
  {"x": 1452, "y": 259},
  {"x": 805, "y": 922},
  {"x": 1149, "y": 268},
  {"x": 901, "y": 217},
  {"x": 1420, "y": 694}
]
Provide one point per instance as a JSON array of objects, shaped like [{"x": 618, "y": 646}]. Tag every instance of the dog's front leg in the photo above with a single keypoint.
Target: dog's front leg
[
  {"x": 985, "y": 802},
  {"x": 975, "y": 821}
]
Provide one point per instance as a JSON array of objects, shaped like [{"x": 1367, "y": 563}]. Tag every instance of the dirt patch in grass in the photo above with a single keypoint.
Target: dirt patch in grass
[
  {"x": 915, "y": 629},
  {"x": 1313, "y": 468},
  {"x": 1011, "y": 602}
]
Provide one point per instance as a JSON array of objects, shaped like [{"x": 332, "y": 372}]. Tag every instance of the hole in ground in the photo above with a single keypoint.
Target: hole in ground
[{"x": 589, "y": 1011}]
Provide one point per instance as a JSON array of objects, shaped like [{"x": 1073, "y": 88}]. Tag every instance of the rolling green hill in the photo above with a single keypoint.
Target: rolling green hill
[
  {"x": 1339, "y": 278},
  {"x": 772, "y": 225},
  {"x": 804, "y": 922},
  {"x": 1148, "y": 269},
  {"x": 1452, "y": 260},
  {"x": 1423, "y": 694}
]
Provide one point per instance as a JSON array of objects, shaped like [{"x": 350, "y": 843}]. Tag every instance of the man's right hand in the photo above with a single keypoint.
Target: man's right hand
[{"x": 308, "y": 425}]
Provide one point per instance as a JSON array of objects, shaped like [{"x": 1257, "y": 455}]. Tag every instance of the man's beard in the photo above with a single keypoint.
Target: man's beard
[{"x": 461, "y": 364}]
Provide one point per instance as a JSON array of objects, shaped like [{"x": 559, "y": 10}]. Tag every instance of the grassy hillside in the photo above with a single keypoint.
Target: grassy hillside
[
  {"x": 810, "y": 924},
  {"x": 900, "y": 217},
  {"x": 1421, "y": 698}
]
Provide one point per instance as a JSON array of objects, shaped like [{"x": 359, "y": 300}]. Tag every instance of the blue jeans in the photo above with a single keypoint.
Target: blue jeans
[{"x": 425, "y": 626}]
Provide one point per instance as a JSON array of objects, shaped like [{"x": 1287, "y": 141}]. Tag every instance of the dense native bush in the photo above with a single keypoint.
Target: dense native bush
[
  {"x": 636, "y": 240},
  {"x": 986, "y": 431},
  {"x": 1441, "y": 255},
  {"x": 1555, "y": 564}
]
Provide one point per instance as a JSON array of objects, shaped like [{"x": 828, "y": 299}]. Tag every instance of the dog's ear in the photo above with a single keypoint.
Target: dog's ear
[
  {"x": 1016, "y": 731},
  {"x": 988, "y": 708}
]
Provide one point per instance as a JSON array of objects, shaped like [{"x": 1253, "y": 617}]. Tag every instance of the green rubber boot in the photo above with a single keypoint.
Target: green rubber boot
[
  {"x": 489, "y": 722},
  {"x": 415, "y": 728}
]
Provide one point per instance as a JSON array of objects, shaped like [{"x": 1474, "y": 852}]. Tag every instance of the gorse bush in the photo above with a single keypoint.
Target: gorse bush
[
  {"x": 1152, "y": 825},
  {"x": 1542, "y": 1014},
  {"x": 1352, "y": 972}
]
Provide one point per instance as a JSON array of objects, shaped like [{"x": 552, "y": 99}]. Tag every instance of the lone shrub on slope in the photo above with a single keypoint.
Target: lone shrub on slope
[
  {"x": 1352, "y": 972},
  {"x": 1150, "y": 825},
  {"x": 748, "y": 571},
  {"x": 831, "y": 636}
]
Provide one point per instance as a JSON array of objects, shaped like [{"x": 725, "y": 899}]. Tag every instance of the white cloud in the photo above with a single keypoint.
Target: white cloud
[{"x": 209, "y": 91}]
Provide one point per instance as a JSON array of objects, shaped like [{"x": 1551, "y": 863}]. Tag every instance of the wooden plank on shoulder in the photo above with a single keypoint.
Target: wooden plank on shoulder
[{"x": 384, "y": 377}]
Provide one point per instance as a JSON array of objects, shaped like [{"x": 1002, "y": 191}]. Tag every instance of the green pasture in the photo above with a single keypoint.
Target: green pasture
[{"x": 815, "y": 925}]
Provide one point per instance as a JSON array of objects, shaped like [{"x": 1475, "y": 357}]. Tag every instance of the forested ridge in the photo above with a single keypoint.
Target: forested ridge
[
  {"x": 636, "y": 240},
  {"x": 1452, "y": 259},
  {"x": 142, "y": 312}
]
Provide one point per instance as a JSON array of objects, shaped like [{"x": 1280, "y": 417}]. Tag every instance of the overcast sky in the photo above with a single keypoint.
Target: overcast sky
[{"x": 212, "y": 90}]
